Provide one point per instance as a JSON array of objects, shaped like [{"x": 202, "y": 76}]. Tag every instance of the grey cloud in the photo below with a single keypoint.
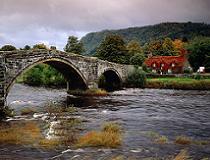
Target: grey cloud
[{"x": 31, "y": 21}]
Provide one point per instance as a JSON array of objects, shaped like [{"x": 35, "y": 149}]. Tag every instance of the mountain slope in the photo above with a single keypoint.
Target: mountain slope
[{"x": 147, "y": 33}]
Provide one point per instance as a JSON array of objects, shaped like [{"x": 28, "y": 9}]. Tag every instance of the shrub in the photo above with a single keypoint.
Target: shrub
[
  {"x": 198, "y": 76},
  {"x": 8, "y": 48},
  {"x": 188, "y": 70},
  {"x": 136, "y": 79}
]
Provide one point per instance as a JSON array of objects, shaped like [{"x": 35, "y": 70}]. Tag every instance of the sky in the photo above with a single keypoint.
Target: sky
[{"x": 52, "y": 21}]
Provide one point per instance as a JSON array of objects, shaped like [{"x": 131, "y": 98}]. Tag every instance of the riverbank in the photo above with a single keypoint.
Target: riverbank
[{"x": 182, "y": 83}]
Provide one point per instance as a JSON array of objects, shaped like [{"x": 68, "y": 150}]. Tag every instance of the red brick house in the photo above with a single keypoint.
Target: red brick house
[{"x": 168, "y": 64}]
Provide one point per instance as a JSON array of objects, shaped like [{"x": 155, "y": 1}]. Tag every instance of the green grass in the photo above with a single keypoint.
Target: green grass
[{"x": 178, "y": 83}]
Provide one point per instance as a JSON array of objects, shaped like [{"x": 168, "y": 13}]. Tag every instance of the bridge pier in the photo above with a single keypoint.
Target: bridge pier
[{"x": 2, "y": 84}]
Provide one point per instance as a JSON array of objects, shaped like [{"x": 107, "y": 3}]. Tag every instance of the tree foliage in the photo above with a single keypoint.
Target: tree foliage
[
  {"x": 184, "y": 31},
  {"x": 27, "y": 47},
  {"x": 8, "y": 47},
  {"x": 136, "y": 53},
  {"x": 165, "y": 47},
  {"x": 43, "y": 75},
  {"x": 40, "y": 46},
  {"x": 134, "y": 47},
  {"x": 74, "y": 45},
  {"x": 113, "y": 49},
  {"x": 137, "y": 59},
  {"x": 199, "y": 51}
]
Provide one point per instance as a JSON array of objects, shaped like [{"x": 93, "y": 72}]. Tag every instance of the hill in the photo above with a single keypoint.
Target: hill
[{"x": 148, "y": 33}]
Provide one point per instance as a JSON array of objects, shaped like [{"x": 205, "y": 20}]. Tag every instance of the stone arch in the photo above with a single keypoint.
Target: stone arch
[
  {"x": 65, "y": 67},
  {"x": 110, "y": 80}
]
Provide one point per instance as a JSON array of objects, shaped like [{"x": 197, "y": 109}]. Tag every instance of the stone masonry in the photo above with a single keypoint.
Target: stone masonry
[{"x": 81, "y": 72}]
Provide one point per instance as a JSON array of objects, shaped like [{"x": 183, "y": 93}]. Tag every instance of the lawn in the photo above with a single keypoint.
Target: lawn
[{"x": 178, "y": 83}]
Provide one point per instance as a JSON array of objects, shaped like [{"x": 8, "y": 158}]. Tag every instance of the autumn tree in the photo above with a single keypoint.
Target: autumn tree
[
  {"x": 74, "y": 45},
  {"x": 168, "y": 48},
  {"x": 113, "y": 49},
  {"x": 40, "y": 46}
]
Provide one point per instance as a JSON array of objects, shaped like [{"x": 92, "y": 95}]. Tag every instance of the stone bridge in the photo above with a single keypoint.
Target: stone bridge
[{"x": 79, "y": 71}]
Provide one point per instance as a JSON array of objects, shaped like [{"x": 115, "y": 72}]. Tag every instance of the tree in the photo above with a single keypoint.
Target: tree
[
  {"x": 136, "y": 53},
  {"x": 137, "y": 59},
  {"x": 199, "y": 51},
  {"x": 154, "y": 48},
  {"x": 161, "y": 48},
  {"x": 133, "y": 47},
  {"x": 27, "y": 47},
  {"x": 178, "y": 44},
  {"x": 113, "y": 49},
  {"x": 40, "y": 46},
  {"x": 168, "y": 48},
  {"x": 8, "y": 47},
  {"x": 74, "y": 45}
]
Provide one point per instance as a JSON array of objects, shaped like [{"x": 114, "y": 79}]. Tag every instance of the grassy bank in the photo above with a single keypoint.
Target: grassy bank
[
  {"x": 88, "y": 92},
  {"x": 178, "y": 83}
]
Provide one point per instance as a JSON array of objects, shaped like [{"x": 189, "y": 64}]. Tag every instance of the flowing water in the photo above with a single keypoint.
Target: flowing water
[{"x": 140, "y": 112}]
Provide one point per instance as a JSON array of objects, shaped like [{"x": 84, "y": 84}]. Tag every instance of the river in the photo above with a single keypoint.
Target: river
[{"x": 139, "y": 112}]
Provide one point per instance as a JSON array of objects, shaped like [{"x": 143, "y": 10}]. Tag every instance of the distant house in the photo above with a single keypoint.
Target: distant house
[{"x": 169, "y": 64}]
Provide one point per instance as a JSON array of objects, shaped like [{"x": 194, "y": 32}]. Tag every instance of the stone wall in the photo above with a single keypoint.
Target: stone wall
[{"x": 80, "y": 69}]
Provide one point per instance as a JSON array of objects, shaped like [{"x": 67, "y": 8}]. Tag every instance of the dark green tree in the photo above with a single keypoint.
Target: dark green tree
[
  {"x": 8, "y": 47},
  {"x": 137, "y": 59},
  {"x": 136, "y": 53},
  {"x": 199, "y": 51},
  {"x": 27, "y": 47},
  {"x": 74, "y": 45},
  {"x": 113, "y": 49}
]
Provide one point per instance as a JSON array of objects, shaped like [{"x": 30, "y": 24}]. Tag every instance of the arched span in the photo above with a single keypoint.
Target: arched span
[
  {"x": 69, "y": 71},
  {"x": 110, "y": 80}
]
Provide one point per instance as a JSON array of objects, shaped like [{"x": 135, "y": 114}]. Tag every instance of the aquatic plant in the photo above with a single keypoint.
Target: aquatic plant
[
  {"x": 49, "y": 143},
  {"x": 161, "y": 140},
  {"x": 183, "y": 140},
  {"x": 183, "y": 155},
  {"x": 110, "y": 137},
  {"x": 27, "y": 133}
]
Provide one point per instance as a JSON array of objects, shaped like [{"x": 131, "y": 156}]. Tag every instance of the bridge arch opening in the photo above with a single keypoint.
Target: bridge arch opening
[
  {"x": 74, "y": 78},
  {"x": 110, "y": 80}
]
